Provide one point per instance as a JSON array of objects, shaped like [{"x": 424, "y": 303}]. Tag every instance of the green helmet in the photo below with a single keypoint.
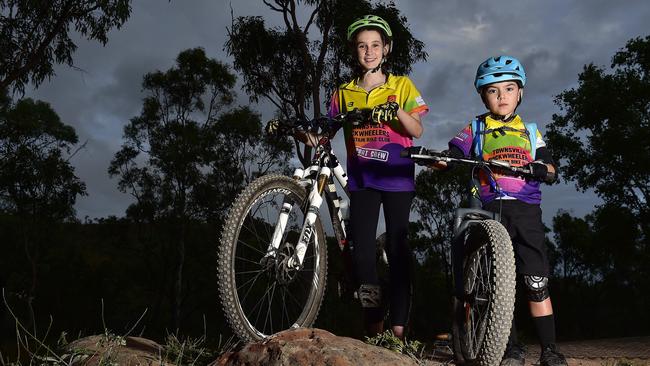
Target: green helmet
[{"x": 369, "y": 21}]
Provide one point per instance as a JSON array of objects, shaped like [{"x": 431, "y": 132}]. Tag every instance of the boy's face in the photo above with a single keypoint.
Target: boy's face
[
  {"x": 502, "y": 98},
  {"x": 370, "y": 48}
]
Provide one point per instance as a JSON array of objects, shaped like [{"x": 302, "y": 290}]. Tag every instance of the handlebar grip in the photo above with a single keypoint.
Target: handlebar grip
[
  {"x": 550, "y": 177},
  {"x": 408, "y": 151}
]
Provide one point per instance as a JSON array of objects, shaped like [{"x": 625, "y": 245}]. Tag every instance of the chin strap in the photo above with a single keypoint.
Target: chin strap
[
  {"x": 497, "y": 117},
  {"x": 381, "y": 63},
  {"x": 372, "y": 71}
]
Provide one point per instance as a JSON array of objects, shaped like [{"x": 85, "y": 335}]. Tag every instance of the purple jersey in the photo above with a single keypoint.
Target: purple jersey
[
  {"x": 373, "y": 152},
  {"x": 511, "y": 145}
]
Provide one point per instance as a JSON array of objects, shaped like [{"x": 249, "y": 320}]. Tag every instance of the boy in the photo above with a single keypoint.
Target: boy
[{"x": 501, "y": 134}]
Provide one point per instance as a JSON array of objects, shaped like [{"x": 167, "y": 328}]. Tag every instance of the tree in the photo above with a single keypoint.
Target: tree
[
  {"x": 572, "y": 239},
  {"x": 438, "y": 194},
  {"x": 601, "y": 138},
  {"x": 35, "y": 35},
  {"x": 292, "y": 65},
  {"x": 37, "y": 182},
  {"x": 183, "y": 157},
  {"x": 603, "y": 262},
  {"x": 604, "y": 130}
]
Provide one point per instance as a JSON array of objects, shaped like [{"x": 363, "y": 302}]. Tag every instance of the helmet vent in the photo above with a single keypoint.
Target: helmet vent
[{"x": 497, "y": 69}]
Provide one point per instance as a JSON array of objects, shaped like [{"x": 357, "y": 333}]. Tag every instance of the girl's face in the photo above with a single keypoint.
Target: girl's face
[
  {"x": 502, "y": 98},
  {"x": 370, "y": 48}
]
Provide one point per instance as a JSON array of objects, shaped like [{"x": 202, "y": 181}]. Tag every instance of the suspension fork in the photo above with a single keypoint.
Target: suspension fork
[
  {"x": 339, "y": 206},
  {"x": 283, "y": 218},
  {"x": 315, "y": 200}
]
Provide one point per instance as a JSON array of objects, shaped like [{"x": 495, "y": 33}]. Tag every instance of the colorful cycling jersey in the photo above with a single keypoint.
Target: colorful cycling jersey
[
  {"x": 373, "y": 151},
  {"x": 506, "y": 141}
]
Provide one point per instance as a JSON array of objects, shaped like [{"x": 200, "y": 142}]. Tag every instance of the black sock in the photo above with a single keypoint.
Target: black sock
[
  {"x": 373, "y": 315},
  {"x": 545, "y": 326}
]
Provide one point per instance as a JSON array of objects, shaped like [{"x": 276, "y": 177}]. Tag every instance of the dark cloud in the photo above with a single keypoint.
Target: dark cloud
[{"x": 553, "y": 38}]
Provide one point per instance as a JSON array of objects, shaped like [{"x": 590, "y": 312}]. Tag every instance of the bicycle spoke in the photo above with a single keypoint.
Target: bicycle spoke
[
  {"x": 267, "y": 219},
  {"x": 246, "y": 260},
  {"x": 259, "y": 307},
  {"x": 294, "y": 298},
  {"x": 253, "y": 231},
  {"x": 257, "y": 238},
  {"x": 254, "y": 309},
  {"x": 239, "y": 273},
  {"x": 481, "y": 272},
  {"x": 259, "y": 273},
  {"x": 284, "y": 308},
  {"x": 269, "y": 313},
  {"x": 243, "y": 298}
]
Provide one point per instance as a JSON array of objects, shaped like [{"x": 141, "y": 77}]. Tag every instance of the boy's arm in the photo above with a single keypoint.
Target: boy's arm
[
  {"x": 459, "y": 147},
  {"x": 544, "y": 167}
]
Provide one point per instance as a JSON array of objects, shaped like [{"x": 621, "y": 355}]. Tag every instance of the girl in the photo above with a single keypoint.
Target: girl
[{"x": 377, "y": 174}]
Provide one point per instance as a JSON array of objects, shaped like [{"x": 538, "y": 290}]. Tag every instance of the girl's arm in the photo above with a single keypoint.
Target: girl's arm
[
  {"x": 308, "y": 138},
  {"x": 411, "y": 123}
]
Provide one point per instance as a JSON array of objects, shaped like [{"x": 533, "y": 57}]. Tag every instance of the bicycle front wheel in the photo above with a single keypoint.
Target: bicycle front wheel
[
  {"x": 261, "y": 295},
  {"x": 483, "y": 312}
]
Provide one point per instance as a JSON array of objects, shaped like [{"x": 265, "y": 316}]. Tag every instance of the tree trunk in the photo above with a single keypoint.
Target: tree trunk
[{"x": 178, "y": 283}]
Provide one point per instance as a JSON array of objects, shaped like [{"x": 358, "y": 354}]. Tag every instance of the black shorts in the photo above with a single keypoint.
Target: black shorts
[{"x": 524, "y": 224}]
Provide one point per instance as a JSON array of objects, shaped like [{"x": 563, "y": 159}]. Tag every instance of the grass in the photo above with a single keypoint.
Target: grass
[
  {"x": 388, "y": 340},
  {"x": 34, "y": 350},
  {"x": 176, "y": 350}
]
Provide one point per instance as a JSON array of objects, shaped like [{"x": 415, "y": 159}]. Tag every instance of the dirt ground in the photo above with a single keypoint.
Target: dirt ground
[{"x": 601, "y": 352}]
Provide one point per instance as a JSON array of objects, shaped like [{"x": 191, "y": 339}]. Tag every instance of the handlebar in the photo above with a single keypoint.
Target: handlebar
[
  {"x": 357, "y": 117},
  {"x": 422, "y": 155}
]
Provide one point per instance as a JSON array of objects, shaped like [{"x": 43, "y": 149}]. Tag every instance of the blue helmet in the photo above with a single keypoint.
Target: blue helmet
[{"x": 499, "y": 68}]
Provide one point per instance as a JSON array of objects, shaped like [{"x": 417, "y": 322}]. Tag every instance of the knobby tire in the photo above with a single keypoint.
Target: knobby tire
[
  {"x": 258, "y": 298},
  {"x": 483, "y": 316}
]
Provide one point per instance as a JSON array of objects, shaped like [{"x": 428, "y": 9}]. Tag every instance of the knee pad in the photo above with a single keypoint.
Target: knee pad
[
  {"x": 370, "y": 296},
  {"x": 537, "y": 288}
]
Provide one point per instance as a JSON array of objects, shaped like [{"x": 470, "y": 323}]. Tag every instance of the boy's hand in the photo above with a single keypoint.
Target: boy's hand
[
  {"x": 539, "y": 171},
  {"x": 384, "y": 112},
  {"x": 443, "y": 165},
  {"x": 438, "y": 165}
]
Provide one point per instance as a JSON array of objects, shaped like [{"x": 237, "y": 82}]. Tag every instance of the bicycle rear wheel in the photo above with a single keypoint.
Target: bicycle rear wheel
[
  {"x": 260, "y": 295},
  {"x": 483, "y": 312}
]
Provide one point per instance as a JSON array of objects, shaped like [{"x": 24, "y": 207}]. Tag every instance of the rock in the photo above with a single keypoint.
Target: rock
[
  {"x": 310, "y": 346},
  {"x": 112, "y": 350}
]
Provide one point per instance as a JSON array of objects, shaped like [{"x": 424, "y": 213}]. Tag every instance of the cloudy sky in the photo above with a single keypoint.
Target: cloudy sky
[{"x": 553, "y": 39}]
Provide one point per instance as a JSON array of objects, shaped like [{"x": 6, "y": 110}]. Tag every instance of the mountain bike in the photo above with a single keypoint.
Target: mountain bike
[
  {"x": 272, "y": 257},
  {"x": 483, "y": 267}
]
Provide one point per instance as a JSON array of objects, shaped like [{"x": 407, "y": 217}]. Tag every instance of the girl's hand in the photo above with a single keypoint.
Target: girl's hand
[
  {"x": 272, "y": 127},
  {"x": 384, "y": 112}
]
